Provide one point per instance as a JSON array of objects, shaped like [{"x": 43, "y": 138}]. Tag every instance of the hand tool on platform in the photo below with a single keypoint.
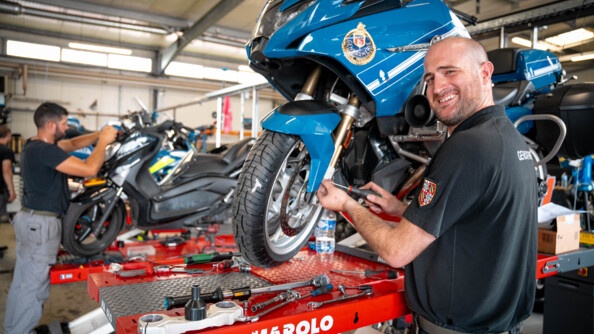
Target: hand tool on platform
[
  {"x": 289, "y": 297},
  {"x": 234, "y": 262},
  {"x": 315, "y": 305},
  {"x": 284, "y": 295},
  {"x": 130, "y": 270},
  {"x": 387, "y": 273},
  {"x": 209, "y": 257},
  {"x": 359, "y": 193},
  {"x": 246, "y": 292}
]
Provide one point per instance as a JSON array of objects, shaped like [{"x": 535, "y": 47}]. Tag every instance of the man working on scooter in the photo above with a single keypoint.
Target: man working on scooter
[
  {"x": 45, "y": 165},
  {"x": 468, "y": 239}
]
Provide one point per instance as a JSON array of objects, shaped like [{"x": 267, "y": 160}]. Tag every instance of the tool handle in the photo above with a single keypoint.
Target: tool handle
[
  {"x": 281, "y": 296},
  {"x": 180, "y": 301},
  {"x": 363, "y": 192},
  {"x": 322, "y": 290},
  {"x": 209, "y": 257},
  {"x": 389, "y": 273}
]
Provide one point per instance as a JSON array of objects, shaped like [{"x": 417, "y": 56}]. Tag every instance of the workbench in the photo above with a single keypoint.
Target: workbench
[{"x": 125, "y": 300}]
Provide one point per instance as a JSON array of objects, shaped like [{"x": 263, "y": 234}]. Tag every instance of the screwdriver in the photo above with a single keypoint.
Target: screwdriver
[
  {"x": 361, "y": 193},
  {"x": 209, "y": 257},
  {"x": 320, "y": 291},
  {"x": 388, "y": 273}
]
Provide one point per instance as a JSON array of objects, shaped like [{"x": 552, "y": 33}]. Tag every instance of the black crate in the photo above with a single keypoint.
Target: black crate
[{"x": 574, "y": 104}]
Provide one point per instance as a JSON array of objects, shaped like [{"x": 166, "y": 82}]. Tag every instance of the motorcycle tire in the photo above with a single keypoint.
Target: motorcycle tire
[
  {"x": 273, "y": 215},
  {"x": 78, "y": 222}
]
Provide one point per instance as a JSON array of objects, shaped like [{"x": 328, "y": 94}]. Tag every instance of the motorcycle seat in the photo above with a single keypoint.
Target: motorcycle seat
[
  {"x": 512, "y": 93},
  {"x": 219, "y": 164}
]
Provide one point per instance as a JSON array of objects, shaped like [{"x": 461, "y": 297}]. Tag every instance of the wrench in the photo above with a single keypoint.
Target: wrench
[
  {"x": 292, "y": 296},
  {"x": 315, "y": 305},
  {"x": 317, "y": 281}
]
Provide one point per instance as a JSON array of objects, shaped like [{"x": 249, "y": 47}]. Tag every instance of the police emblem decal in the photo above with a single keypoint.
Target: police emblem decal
[
  {"x": 358, "y": 46},
  {"x": 427, "y": 192}
]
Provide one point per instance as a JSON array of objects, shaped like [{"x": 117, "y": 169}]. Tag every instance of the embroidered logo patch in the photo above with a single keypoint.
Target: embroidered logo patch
[
  {"x": 427, "y": 192},
  {"x": 358, "y": 46}
]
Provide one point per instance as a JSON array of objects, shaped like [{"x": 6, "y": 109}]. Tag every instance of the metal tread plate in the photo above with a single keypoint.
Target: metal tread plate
[{"x": 129, "y": 299}]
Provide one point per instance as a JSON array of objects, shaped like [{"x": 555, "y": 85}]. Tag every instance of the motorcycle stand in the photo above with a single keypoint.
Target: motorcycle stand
[{"x": 209, "y": 231}]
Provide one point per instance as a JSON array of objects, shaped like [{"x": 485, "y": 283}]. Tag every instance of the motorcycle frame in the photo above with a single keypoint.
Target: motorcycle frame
[
  {"x": 143, "y": 186},
  {"x": 319, "y": 129}
]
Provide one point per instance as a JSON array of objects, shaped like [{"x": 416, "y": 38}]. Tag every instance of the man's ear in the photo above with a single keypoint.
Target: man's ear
[{"x": 487, "y": 69}]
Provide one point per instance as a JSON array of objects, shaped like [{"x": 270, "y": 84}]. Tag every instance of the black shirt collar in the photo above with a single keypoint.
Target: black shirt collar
[{"x": 481, "y": 116}]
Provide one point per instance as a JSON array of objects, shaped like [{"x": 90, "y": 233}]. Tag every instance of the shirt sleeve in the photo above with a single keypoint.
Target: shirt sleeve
[
  {"x": 454, "y": 185},
  {"x": 53, "y": 155}
]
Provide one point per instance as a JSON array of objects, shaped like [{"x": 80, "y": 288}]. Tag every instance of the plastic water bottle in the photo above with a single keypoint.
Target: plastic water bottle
[
  {"x": 564, "y": 182},
  {"x": 325, "y": 230}
]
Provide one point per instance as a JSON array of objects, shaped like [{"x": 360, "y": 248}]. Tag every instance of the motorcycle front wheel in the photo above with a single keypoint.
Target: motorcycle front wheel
[
  {"x": 78, "y": 223},
  {"x": 274, "y": 215}
]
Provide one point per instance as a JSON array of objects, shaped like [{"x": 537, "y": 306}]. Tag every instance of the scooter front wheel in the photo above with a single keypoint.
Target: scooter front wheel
[
  {"x": 77, "y": 227},
  {"x": 274, "y": 216}
]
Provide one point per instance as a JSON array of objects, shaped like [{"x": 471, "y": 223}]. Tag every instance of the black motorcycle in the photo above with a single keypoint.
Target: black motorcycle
[{"x": 199, "y": 190}]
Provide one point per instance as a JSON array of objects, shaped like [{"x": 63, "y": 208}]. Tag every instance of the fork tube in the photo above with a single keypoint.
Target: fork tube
[
  {"x": 312, "y": 81},
  {"x": 348, "y": 118}
]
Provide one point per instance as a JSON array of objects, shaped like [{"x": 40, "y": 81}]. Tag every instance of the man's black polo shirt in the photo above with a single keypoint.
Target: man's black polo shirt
[{"x": 479, "y": 198}]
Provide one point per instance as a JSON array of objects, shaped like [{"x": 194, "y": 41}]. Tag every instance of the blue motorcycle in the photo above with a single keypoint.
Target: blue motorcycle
[{"x": 351, "y": 71}]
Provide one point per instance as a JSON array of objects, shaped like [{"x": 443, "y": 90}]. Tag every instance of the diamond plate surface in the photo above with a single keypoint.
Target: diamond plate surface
[{"x": 124, "y": 300}]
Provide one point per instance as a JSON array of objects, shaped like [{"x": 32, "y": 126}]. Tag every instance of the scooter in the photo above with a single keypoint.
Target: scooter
[
  {"x": 175, "y": 147},
  {"x": 199, "y": 190},
  {"x": 357, "y": 111}
]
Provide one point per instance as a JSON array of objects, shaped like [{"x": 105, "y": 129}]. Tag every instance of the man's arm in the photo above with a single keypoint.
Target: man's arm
[
  {"x": 7, "y": 175},
  {"x": 397, "y": 243},
  {"x": 89, "y": 167},
  {"x": 78, "y": 142}
]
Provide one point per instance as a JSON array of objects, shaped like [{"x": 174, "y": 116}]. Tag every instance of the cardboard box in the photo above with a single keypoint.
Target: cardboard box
[{"x": 565, "y": 239}]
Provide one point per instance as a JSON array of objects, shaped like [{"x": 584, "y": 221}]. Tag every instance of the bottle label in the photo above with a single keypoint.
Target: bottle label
[{"x": 327, "y": 224}]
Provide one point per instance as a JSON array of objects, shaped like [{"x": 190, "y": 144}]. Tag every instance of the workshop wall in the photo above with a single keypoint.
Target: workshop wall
[{"x": 95, "y": 103}]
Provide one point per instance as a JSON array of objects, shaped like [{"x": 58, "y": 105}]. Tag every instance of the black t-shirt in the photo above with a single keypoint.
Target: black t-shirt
[
  {"x": 44, "y": 188},
  {"x": 479, "y": 198},
  {"x": 5, "y": 154}
]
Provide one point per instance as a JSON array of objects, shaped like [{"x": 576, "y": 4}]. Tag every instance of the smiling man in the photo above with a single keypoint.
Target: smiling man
[{"x": 468, "y": 239}]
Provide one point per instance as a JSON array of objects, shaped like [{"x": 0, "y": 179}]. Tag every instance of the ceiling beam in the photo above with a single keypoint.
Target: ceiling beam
[
  {"x": 168, "y": 54},
  {"x": 161, "y": 20},
  {"x": 543, "y": 15}
]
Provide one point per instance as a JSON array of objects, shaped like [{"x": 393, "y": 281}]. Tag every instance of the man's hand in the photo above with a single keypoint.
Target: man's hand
[
  {"x": 108, "y": 134},
  {"x": 11, "y": 197},
  {"x": 333, "y": 198},
  {"x": 388, "y": 203}
]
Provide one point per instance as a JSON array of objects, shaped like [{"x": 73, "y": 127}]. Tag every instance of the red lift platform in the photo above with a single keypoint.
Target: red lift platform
[
  {"x": 120, "y": 298},
  {"x": 126, "y": 300}
]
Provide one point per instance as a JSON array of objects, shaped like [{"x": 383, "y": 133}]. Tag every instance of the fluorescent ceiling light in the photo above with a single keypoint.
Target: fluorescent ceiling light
[
  {"x": 32, "y": 50},
  {"x": 129, "y": 63},
  {"x": 583, "y": 57},
  {"x": 540, "y": 45},
  {"x": 577, "y": 57},
  {"x": 569, "y": 38},
  {"x": 84, "y": 57},
  {"x": 245, "y": 68},
  {"x": 522, "y": 41},
  {"x": 100, "y": 48},
  {"x": 220, "y": 74},
  {"x": 185, "y": 70}
]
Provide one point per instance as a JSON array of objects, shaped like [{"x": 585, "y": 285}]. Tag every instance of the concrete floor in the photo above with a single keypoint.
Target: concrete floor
[
  {"x": 69, "y": 301},
  {"x": 66, "y": 301}
]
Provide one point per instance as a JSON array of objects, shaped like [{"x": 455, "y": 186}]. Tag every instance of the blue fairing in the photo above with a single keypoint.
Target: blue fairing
[
  {"x": 315, "y": 130},
  {"x": 324, "y": 31},
  {"x": 540, "y": 67},
  {"x": 389, "y": 77}
]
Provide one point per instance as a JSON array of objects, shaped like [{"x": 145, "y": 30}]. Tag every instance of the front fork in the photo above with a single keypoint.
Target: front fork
[
  {"x": 349, "y": 114},
  {"x": 111, "y": 204}
]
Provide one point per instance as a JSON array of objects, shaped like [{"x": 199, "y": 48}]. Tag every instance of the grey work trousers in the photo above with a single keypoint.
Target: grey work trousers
[{"x": 37, "y": 244}]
